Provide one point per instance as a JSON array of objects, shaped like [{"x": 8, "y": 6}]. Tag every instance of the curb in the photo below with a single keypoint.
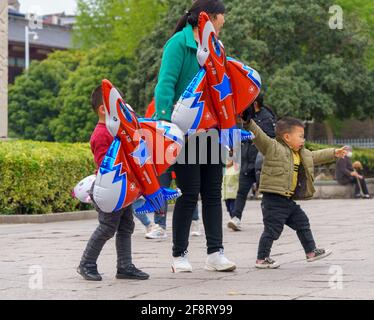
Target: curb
[
  {"x": 54, "y": 217},
  {"x": 47, "y": 218}
]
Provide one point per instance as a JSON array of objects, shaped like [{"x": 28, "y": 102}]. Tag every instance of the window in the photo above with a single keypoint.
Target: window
[
  {"x": 20, "y": 62},
  {"x": 16, "y": 62},
  {"x": 12, "y": 62}
]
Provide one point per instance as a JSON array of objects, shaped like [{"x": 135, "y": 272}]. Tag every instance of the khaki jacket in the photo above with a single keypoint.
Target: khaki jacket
[{"x": 277, "y": 169}]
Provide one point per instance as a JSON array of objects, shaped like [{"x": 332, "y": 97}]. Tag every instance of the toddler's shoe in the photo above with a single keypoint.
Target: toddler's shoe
[
  {"x": 318, "y": 254},
  {"x": 267, "y": 263}
]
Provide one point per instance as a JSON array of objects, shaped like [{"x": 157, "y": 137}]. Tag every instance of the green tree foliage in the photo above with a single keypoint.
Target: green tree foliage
[
  {"x": 148, "y": 56},
  {"x": 308, "y": 70},
  {"x": 364, "y": 10},
  {"x": 121, "y": 23},
  {"x": 33, "y": 97},
  {"x": 76, "y": 120}
]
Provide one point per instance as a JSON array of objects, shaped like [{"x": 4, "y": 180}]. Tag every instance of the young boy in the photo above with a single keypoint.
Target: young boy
[
  {"x": 120, "y": 223},
  {"x": 287, "y": 175}
]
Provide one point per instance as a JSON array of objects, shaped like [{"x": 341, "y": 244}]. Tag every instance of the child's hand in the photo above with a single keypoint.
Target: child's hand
[{"x": 341, "y": 153}]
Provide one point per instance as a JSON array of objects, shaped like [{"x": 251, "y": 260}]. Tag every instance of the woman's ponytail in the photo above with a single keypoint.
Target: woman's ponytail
[
  {"x": 182, "y": 22},
  {"x": 192, "y": 16}
]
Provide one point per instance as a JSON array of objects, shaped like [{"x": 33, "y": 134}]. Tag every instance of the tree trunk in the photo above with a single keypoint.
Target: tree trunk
[{"x": 329, "y": 133}]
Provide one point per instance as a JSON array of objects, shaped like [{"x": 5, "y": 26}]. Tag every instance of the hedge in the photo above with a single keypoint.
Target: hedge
[{"x": 38, "y": 177}]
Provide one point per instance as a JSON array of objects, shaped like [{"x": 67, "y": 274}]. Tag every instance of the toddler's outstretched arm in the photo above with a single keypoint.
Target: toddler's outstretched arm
[{"x": 262, "y": 141}]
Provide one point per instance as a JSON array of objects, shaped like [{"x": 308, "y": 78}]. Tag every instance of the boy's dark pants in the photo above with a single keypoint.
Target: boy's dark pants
[
  {"x": 278, "y": 211},
  {"x": 120, "y": 223}
]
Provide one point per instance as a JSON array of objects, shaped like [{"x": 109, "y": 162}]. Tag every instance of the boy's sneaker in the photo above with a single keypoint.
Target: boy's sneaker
[
  {"x": 131, "y": 272},
  {"x": 195, "y": 228},
  {"x": 218, "y": 262},
  {"x": 318, "y": 254},
  {"x": 181, "y": 264},
  {"x": 156, "y": 232},
  {"x": 89, "y": 272},
  {"x": 267, "y": 263},
  {"x": 235, "y": 224}
]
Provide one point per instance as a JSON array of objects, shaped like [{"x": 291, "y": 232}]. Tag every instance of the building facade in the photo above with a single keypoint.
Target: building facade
[
  {"x": 50, "y": 37},
  {"x": 54, "y": 33},
  {"x": 3, "y": 69}
]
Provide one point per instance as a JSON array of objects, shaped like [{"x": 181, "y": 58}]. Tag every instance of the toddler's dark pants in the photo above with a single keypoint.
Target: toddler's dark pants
[{"x": 278, "y": 211}]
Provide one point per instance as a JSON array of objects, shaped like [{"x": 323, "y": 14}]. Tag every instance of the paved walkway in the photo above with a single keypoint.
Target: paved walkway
[{"x": 53, "y": 250}]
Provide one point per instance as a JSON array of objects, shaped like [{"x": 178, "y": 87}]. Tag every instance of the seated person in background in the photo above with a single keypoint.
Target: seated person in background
[{"x": 345, "y": 174}]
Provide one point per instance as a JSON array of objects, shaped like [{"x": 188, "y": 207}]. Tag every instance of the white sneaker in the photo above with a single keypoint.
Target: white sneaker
[
  {"x": 156, "y": 233},
  {"x": 218, "y": 262},
  {"x": 235, "y": 224},
  {"x": 195, "y": 228},
  {"x": 149, "y": 228},
  {"x": 181, "y": 264}
]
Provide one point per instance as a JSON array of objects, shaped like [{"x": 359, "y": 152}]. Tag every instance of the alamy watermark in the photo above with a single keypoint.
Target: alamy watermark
[
  {"x": 336, "y": 279},
  {"x": 36, "y": 278},
  {"x": 336, "y": 20}
]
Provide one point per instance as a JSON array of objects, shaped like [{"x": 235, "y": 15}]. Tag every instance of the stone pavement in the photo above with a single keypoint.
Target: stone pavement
[{"x": 53, "y": 250}]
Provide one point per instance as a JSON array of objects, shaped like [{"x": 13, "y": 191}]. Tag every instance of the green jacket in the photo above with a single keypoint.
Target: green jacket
[
  {"x": 277, "y": 169},
  {"x": 178, "y": 67}
]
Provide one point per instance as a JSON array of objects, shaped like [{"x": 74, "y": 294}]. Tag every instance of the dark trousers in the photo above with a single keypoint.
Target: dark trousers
[
  {"x": 121, "y": 224},
  {"x": 230, "y": 206},
  {"x": 278, "y": 211},
  {"x": 246, "y": 182},
  {"x": 193, "y": 179}
]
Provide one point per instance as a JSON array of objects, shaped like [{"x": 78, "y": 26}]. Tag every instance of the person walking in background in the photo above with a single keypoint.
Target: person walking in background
[
  {"x": 265, "y": 118},
  {"x": 345, "y": 174},
  {"x": 157, "y": 230}
]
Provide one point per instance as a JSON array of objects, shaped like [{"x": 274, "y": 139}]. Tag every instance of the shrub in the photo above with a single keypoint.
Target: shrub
[{"x": 38, "y": 177}]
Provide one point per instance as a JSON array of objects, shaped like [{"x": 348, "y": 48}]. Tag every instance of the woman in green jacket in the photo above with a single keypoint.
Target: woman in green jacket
[{"x": 179, "y": 66}]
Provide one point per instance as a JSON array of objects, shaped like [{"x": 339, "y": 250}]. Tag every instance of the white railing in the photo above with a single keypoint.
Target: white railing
[{"x": 367, "y": 143}]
